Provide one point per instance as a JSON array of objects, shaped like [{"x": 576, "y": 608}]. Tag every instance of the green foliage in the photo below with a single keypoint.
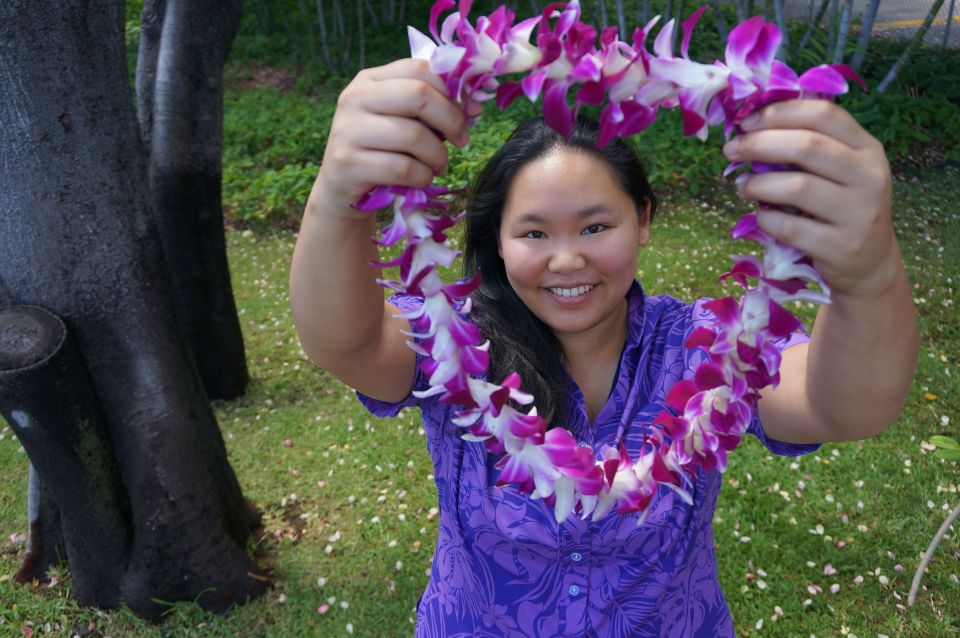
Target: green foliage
[
  {"x": 949, "y": 448},
  {"x": 269, "y": 196},
  {"x": 919, "y": 112},
  {"x": 273, "y": 144}
]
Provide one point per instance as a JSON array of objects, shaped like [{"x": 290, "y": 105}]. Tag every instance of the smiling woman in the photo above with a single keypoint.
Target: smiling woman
[{"x": 654, "y": 389}]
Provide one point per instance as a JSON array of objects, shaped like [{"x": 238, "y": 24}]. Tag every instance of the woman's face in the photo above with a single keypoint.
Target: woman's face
[{"x": 569, "y": 239}]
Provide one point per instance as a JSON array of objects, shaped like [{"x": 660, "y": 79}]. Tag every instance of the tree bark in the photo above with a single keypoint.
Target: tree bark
[
  {"x": 79, "y": 239},
  {"x": 718, "y": 19},
  {"x": 621, "y": 20},
  {"x": 784, "y": 48},
  {"x": 842, "y": 31},
  {"x": 324, "y": 40},
  {"x": 741, "y": 10},
  {"x": 180, "y": 108},
  {"x": 69, "y": 448},
  {"x": 866, "y": 32},
  {"x": 946, "y": 29}
]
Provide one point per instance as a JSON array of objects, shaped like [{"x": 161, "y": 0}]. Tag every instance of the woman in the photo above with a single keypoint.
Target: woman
[{"x": 556, "y": 228}]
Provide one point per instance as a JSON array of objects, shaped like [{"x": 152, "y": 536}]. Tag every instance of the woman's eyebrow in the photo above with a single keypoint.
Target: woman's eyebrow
[{"x": 537, "y": 218}]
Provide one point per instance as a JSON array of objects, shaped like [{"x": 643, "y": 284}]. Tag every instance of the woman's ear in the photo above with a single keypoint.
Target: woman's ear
[{"x": 645, "y": 223}]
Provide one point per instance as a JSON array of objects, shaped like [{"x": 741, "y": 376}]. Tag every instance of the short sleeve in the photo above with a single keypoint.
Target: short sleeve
[
  {"x": 382, "y": 409},
  {"x": 700, "y": 316}
]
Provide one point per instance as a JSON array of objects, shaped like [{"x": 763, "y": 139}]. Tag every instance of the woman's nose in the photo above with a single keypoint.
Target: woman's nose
[{"x": 566, "y": 259}]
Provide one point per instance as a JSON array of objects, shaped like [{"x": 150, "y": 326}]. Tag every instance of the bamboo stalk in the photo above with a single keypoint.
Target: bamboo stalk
[
  {"x": 324, "y": 41},
  {"x": 720, "y": 23},
  {"x": 866, "y": 32},
  {"x": 946, "y": 30},
  {"x": 842, "y": 31},
  {"x": 911, "y": 48},
  {"x": 740, "y": 9},
  {"x": 621, "y": 20},
  {"x": 782, "y": 25}
]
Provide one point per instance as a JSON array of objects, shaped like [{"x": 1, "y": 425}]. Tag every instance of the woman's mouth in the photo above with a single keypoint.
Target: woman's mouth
[{"x": 571, "y": 293}]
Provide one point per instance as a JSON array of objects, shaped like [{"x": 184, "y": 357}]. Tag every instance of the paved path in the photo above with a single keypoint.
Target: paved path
[{"x": 899, "y": 18}]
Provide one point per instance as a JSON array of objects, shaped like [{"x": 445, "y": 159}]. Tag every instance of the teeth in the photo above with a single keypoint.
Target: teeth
[{"x": 572, "y": 292}]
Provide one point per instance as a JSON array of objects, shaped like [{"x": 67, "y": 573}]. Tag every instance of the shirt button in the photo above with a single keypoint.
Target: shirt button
[
  {"x": 576, "y": 557},
  {"x": 574, "y": 590}
]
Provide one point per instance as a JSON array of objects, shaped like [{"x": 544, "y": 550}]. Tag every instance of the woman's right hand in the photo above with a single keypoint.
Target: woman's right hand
[{"x": 386, "y": 130}]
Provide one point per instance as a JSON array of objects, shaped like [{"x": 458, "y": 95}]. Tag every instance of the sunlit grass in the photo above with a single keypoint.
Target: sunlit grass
[{"x": 349, "y": 500}]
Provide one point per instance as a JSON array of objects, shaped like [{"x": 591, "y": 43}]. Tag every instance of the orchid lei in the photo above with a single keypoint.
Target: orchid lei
[{"x": 713, "y": 410}]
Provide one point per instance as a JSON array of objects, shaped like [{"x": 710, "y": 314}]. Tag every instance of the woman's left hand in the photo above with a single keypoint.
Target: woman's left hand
[{"x": 841, "y": 182}]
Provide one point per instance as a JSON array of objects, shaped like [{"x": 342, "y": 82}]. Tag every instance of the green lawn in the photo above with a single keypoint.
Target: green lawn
[{"x": 348, "y": 499}]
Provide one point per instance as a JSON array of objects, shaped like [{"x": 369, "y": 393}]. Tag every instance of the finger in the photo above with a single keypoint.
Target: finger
[
  {"x": 815, "y": 115},
  {"x": 417, "y": 99},
  {"x": 404, "y": 135},
  {"x": 815, "y": 238},
  {"x": 812, "y": 151},
  {"x": 385, "y": 167},
  {"x": 409, "y": 69},
  {"x": 474, "y": 107},
  {"x": 814, "y": 195}
]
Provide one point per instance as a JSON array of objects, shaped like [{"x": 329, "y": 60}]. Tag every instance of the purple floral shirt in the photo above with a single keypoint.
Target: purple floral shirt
[{"x": 503, "y": 567}]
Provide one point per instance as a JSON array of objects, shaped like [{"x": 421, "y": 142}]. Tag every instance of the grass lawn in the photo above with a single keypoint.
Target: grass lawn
[{"x": 824, "y": 545}]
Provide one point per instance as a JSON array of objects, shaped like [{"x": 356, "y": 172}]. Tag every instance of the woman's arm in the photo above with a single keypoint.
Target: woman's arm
[
  {"x": 383, "y": 132},
  {"x": 852, "y": 379}
]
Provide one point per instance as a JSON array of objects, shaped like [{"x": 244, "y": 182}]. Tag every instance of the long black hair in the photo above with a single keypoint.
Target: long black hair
[{"x": 519, "y": 340}]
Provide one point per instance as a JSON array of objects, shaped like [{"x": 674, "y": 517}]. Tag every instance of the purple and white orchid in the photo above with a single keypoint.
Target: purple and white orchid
[{"x": 709, "y": 413}]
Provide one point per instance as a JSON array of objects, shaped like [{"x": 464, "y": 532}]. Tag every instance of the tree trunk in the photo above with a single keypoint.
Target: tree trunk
[
  {"x": 69, "y": 448},
  {"x": 911, "y": 47},
  {"x": 782, "y": 25},
  {"x": 374, "y": 21},
  {"x": 324, "y": 41},
  {"x": 946, "y": 29},
  {"x": 621, "y": 20},
  {"x": 79, "y": 239},
  {"x": 602, "y": 8},
  {"x": 741, "y": 10},
  {"x": 306, "y": 13},
  {"x": 833, "y": 20},
  {"x": 718, "y": 20},
  {"x": 866, "y": 32},
  {"x": 180, "y": 108},
  {"x": 842, "y": 31}
]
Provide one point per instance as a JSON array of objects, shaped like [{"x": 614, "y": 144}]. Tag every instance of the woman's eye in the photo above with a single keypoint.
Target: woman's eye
[
  {"x": 535, "y": 234},
  {"x": 594, "y": 228}
]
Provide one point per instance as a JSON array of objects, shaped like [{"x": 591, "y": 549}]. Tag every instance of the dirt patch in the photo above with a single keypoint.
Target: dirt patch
[{"x": 249, "y": 76}]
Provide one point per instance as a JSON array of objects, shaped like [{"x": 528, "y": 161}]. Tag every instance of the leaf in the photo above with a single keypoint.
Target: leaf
[
  {"x": 944, "y": 442},
  {"x": 950, "y": 455},
  {"x": 930, "y": 396}
]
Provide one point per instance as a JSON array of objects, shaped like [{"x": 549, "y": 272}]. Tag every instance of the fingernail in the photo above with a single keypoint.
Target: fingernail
[
  {"x": 741, "y": 182},
  {"x": 730, "y": 148}
]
